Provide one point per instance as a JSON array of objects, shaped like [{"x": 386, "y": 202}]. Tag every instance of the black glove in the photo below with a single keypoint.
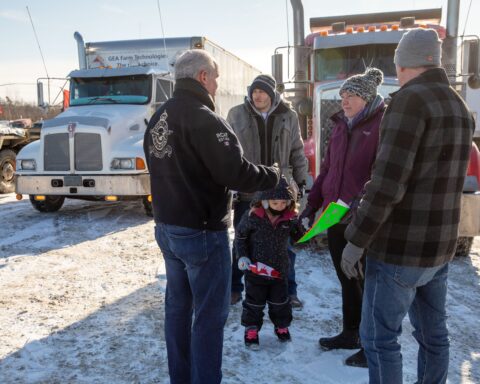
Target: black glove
[
  {"x": 235, "y": 197},
  {"x": 301, "y": 190},
  {"x": 348, "y": 218},
  {"x": 307, "y": 217}
]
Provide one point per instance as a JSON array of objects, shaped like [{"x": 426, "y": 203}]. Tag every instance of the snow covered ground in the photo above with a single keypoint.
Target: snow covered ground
[{"x": 82, "y": 293}]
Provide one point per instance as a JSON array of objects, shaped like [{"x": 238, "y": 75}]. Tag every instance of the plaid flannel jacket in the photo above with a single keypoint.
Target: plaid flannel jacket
[{"x": 410, "y": 211}]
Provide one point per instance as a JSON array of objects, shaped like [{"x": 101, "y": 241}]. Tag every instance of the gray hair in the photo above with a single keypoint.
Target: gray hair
[{"x": 190, "y": 63}]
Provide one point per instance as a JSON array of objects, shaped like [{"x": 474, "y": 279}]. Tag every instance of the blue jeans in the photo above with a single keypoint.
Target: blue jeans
[
  {"x": 240, "y": 208},
  {"x": 198, "y": 282},
  {"x": 390, "y": 292},
  {"x": 292, "y": 283}
]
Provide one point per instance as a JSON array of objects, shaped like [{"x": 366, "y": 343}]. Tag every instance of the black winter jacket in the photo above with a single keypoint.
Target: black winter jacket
[
  {"x": 194, "y": 159},
  {"x": 257, "y": 239}
]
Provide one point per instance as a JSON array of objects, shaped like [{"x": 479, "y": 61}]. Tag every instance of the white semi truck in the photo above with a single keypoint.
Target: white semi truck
[{"x": 94, "y": 149}]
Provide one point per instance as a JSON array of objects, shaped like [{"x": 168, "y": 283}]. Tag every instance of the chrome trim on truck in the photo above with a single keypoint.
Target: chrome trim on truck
[{"x": 118, "y": 185}]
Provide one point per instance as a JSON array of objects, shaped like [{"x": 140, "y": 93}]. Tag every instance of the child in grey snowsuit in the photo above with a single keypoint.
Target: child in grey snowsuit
[{"x": 262, "y": 250}]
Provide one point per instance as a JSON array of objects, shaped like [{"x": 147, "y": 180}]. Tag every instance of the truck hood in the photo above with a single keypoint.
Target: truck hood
[{"x": 110, "y": 117}]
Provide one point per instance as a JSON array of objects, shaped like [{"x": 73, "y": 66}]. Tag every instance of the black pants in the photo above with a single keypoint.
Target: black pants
[
  {"x": 260, "y": 291},
  {"x": 352, "y": 289}
]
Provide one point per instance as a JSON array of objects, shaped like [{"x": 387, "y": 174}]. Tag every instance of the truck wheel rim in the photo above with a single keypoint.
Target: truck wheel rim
[{"x": 7, "y": 172}]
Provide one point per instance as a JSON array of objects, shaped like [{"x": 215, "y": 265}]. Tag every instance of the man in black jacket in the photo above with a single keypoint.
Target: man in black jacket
[{"x": 194, "y": 159}]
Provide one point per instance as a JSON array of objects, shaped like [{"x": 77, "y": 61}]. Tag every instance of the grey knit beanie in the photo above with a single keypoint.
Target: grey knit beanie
[
  {"x": 264, "y": 82},
  {"x": 419, "y": 47},
  {"x": 364, "y": 85}
]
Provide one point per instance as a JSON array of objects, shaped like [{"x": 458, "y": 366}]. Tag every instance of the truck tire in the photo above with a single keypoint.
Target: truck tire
[
  {"x": 50, "y": 204},
  {"x": 148, "y": 206},
  {"x": 7, "y": 171},
  {"x": 464, "y": 245}
]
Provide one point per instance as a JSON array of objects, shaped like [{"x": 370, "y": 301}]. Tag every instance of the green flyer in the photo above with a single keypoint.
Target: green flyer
[{"x": 330, "y": 216}]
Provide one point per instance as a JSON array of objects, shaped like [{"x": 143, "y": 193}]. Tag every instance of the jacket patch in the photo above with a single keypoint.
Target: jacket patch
[
  {"x": 160, "y": 133},
  {"x": 222, "y": 137}
]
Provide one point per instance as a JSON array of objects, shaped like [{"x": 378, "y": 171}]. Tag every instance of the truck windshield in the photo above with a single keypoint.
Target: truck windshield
[
  {"x": 111, "y": 90},
  {"x": 343, "y": 62}
]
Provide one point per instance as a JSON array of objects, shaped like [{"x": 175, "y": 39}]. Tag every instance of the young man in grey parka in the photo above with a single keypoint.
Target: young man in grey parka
[{"x": 268, "y": 130}]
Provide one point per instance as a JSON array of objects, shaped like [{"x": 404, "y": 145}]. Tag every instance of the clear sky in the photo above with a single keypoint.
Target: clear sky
[{"x": 251, "y": 29}]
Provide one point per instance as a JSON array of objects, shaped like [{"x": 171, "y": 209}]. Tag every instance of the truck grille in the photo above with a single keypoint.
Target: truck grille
[
  {"x": 56, "y": 152},
  {"x": 328, "y": 108},
  {"x": 88, "y": 152}
]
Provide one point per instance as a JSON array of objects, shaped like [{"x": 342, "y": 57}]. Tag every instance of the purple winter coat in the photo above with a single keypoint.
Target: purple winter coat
[{"x": 348, "y": 162}]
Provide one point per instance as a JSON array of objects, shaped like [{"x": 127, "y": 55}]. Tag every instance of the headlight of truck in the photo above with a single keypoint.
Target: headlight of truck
[
  {"x": 28, "y": 165},
  {"x": 119, "y": 163}
]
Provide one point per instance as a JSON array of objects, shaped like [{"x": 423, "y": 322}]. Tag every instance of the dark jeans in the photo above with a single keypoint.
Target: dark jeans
[
  {"x": 392, "y": 291},
  {"x": 260, "y": 291},
  {"x": 198, "y": 282},
  {"x": 352, "y": 289},
  {"x": 239, "y": 209}
]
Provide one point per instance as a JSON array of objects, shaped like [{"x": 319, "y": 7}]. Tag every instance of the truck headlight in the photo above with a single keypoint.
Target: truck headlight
[
  {"x": 28, "y": 165},
  {"x": 119, "y": 163}
]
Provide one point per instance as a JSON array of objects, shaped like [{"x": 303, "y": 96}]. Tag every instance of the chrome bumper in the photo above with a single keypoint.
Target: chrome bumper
[{"x": 118, "y": 185}]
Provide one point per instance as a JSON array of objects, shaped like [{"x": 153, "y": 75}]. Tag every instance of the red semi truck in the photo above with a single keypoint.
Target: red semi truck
[{"x": 341, "y": 46}]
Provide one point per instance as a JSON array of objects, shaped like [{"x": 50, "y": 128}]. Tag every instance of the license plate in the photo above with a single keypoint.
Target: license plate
[{"x": 72, "y": 181}]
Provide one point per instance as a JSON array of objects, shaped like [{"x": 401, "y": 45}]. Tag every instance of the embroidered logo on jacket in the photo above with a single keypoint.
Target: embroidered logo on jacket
[
  {"x": 222, "y": 137},
  {"x": 160, "y": 134}
]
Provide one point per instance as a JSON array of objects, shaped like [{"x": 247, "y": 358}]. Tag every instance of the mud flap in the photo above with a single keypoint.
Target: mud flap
[{"x": 470, "y": 215}]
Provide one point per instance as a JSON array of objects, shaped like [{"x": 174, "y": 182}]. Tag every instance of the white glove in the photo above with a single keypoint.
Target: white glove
[
  {"x": 351, "y": 261},
  {"x": 243, "y": 263}
]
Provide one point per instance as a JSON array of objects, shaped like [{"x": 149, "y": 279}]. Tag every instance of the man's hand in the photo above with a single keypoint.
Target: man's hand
[
  {"x": 307, "y": 216},
  {"x": 276, "y": 168},
  {"x": 243, "y": 263},
  {"x": 351, "y": 264}
]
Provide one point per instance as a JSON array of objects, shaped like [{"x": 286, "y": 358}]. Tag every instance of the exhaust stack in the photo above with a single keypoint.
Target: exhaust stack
[
  {"x": 299, "y": 40},
  {"x": 82, "y": 59},
  {"x": 450, "y": 44}
]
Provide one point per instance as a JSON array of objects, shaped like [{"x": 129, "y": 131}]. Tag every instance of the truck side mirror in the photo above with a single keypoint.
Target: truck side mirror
[
  {"x": 277, "y": 70},
  {"x": 305, "y": 107},
  {"x": 474, "y": 82},
  {"x": 474, "y": 64},
  {"x": 40, "y": 101}
]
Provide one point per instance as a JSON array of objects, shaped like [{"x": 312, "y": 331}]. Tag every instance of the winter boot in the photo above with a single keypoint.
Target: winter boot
[
  {"x": 235, "y": 297},
  {"x": 358, "y": 359},
  {"x": 283, "y": 334},
  {"x": 251, "y": 338},
  {"x": 348, "y": 339},
  {"x": 295, "y": 302}
]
